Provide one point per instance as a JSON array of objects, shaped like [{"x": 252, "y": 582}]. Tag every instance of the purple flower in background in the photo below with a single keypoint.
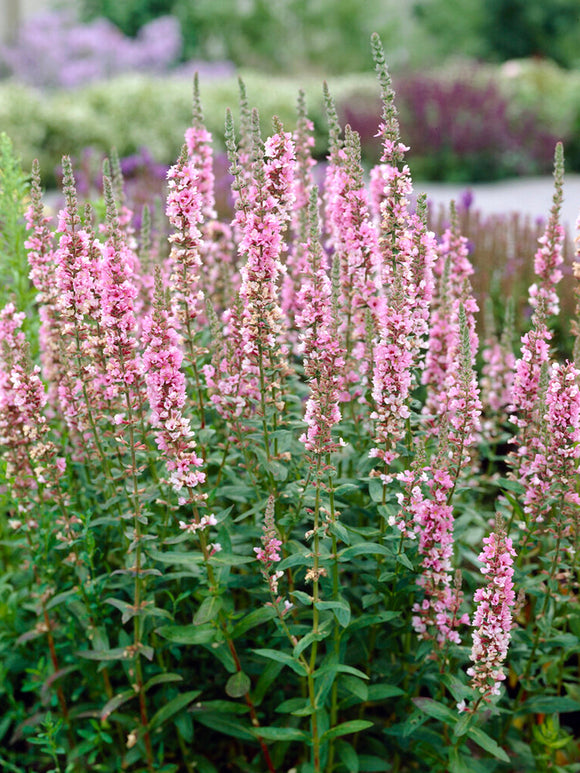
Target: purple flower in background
[{"x": 54, "y": 50}]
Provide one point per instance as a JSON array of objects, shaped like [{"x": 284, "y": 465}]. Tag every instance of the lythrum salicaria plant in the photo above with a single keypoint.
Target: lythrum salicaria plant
[{"x": 270, "y": 502}]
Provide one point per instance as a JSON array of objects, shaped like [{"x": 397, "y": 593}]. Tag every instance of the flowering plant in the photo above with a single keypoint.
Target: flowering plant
[{"x": 246, "y": 484}]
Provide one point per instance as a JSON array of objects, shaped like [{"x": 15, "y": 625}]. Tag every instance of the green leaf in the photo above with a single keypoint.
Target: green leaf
[
  {"x": 462, "y": 725},
  {"x": 279, "y": 471},
  {"x": 226, "y": 725},
  {"x": 297, "y": 559},
  {"x": 363, "y": 549},
  {"x": 348, "y": 756},
  {"x": 356, "y": 686},
  {"x": 219, "y": 707},
  {"x": 376, "y": 489},
  {"x": 187, "y": 634},
  {"x": 380, "y": 692},
  {"x": 486, "y": 742},
  {"x": 299, "y": 707},
  {"x": 338, "y": 530},
  {"x": 302, "y": 597},
  {"x": 283, "y": 657},
  {"x": 114, "y": 703},
  {"x": 346, "y": 728},
  {"x": 436, "y": 710},
  {"x": 162, "y": 679},
  {"x": 292, "y": 705},
  {"x": 173, "y": 707},
  {"x": 192, "y": 557},
  {"x": 305, "y": 642},
  {"x": 548, "y": 704},
  {"x": 459, "y": 764},
  {"x": 60, "y": 597},
  {"x": 346, "y": 488},
  {"x": 208, "y": 610},
  {"x": 339, "y": 668},
  {"x": 229, "y": 559},
  {"x": 370, "y": 764},
  {"x": 509, "y": 485},
  {"x": 403, "y": 559},
  {"x": 341, "y": 609},
  {"x": 252, "y": 619},
  {"x": 267, "y": 678},
  {"x": 117, "y": 653},
  {"x": 281, "y": 734},
  {"x": 238, "y": 685}
]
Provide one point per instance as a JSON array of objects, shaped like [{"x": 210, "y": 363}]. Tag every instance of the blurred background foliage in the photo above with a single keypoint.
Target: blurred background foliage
[
  {"x": 484, "y": 87},
  {"x": 333, "y": 34}
]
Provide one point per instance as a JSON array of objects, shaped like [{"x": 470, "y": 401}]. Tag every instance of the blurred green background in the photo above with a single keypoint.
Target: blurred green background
[
  {"x": 484, "y": 87},
  {"x": 332, "y": 35}
]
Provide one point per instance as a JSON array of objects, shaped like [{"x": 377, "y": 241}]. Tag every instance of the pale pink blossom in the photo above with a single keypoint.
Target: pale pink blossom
[
  {"x": 493, "y": 616},
  {"x": 165, "y": 382}
]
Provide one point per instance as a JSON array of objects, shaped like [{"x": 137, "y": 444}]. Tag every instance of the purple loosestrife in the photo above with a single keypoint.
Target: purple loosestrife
[
  {"x": 184, "y": 210},
  {"x": 463, "y": 405},
  {"x": 551, "y": 472},
  {"x": 262, "y": 220},
  {"x": 230, "y": 391},
  {"x": 437, "y": 616},
  {"x": 78, "y": 309},
  {"x": 32, "y": 467},
  {"x": 393, "y": 203},
  {"x": 549, "y": 256},
  {"x": 296, "y": 261},
  {"x": 41, "y": 255},
  {"x": 497, "y": 372},
  {"x": 215, "y": 247},
  {"x": 453, "y": 268},
  {"x": 269, "y": 555},
  {"x": 199, "y": 149},
  {"x": 575, "y": 324},
  {"x": 493, "y": 617},
  {"x": 543, "y": 298},
  {"x": 118, "y": 320},
  {"x": 353, "y": 239},
  {"x": 323, "y": 357},
  {"x": 165, "y": 382},
  {"x": 434, "y": 515},
  {"x": 527, "y": 394},
  {"x": 407, "y": 257},
  {"x": 402, "y": 329}
]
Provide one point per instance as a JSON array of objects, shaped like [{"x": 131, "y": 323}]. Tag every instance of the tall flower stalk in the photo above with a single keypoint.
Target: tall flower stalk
[{"x": 493, "y": 617}]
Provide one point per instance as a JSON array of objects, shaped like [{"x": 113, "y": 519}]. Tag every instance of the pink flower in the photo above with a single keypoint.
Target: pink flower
[
  {"x": 323, "y": 360},
  {"x": 262, "y": 219},
  {"x": 119, "y": 323},
  {"x": 166, "y": 392},
  {"x": 269, "y": 554},
  {"x": 32, "y": 468},
  {"x": 493, "y": 616},
  {"x": 548, "y": 474},
  {"x": 184, "y": 210},
  {"x": 498, "y": 376},
  {"x": 549, "y": 256},
  {"x": 437, "y": 615}
]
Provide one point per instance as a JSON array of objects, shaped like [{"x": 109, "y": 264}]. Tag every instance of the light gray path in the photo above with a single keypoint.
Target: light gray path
[{"x": 530, "y": 196}]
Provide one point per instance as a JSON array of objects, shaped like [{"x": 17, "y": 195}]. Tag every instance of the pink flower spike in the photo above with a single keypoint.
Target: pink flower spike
[
  {"x": 166, "y": 392},
  {"x": 493, "y": 616}
]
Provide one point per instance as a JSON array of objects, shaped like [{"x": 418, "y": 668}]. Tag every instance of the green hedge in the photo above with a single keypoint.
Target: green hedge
[{"x": 134, "y": 111}]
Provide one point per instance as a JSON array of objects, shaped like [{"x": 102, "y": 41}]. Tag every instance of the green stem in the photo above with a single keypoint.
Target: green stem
[
  {"x": 336, "y": 631},
  {"x": 315, "y": 623}
]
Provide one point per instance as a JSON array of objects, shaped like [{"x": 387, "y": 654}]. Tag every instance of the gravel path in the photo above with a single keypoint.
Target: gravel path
[{"x": 530, "y": 195}]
